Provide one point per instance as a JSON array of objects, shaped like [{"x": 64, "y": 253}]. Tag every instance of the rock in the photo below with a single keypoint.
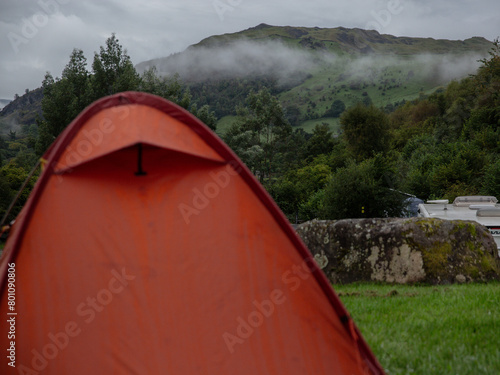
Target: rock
[
  {"x": 460, "y": 279},
  {"x": 402, "y": 250}
]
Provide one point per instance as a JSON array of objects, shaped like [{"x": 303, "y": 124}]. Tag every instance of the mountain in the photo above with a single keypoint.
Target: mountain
[
  {"x": 343, "y": 40},
  {"x": 311, "y": 68},
  {"x": 4, "y": 102},
  {"x": 21, "y": 111},
  {"x": 337, "y": 41}
]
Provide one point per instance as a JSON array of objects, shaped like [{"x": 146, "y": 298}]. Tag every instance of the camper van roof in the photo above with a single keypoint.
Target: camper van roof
[{"x": 475, "y": 199}]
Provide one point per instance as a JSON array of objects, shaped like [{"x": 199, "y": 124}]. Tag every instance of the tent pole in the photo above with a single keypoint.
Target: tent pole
[{"x": 139, "y": 172}]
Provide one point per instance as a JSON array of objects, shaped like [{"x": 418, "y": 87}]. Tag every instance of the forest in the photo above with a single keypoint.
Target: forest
[{"x": 440, "y": 146}]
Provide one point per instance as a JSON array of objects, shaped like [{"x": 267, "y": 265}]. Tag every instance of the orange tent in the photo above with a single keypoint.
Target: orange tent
[{"x": 147, "y": 247}]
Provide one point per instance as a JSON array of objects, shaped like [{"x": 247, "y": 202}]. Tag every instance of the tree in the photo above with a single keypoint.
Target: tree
[
  {"x": 489, "y": 72},
  {"x": 491, "y": 179},
  {"x": 291, "y": 156},
  {"x": 321, "y": 142},
  {"x": 292, "y": 190},
  {"x": 455, "y": 118},
  {"x": 419, "y": 156},
  {"x": 246, "y": 145},
  {"x": 293, "y": 114},
  {"x": 362, "y": 191},
  {"x": 26, "y": 159},
  {"x": 336, "y": 109},
  {"x": 458, "y": 171},
  {"x": 44, "y": 139},
  {"x": 366, "y": 130},
  {"x": 12, "y": 178},
  {"x": 75, "y": 72},
  {"x": 205, "y": 115},
  {"x": 6, "y": 194},
  {"x": 414, "y": 119},
  {"x": 113, "y": 70},
  {"x": 63, "y": 99},
  {"x": 366, "y": 100},
  {"x": 264, "y": 117},
  {"x": 171, "y": 89},
  {"x": 313, "y": 207},
  {"x": 288, "y": 196}
]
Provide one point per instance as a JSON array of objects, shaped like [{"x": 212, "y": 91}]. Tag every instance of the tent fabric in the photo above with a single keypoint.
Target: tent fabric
[{"x": 147, "y": 247}]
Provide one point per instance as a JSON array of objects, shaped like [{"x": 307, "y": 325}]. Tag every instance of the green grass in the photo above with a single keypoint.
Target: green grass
[
  {"x": 428, "y": 330},
  {"x": 224, "y": 124}
]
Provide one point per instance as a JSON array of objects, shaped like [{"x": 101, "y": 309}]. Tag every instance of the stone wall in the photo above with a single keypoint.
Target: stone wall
[{"x": 402, "y": 250}]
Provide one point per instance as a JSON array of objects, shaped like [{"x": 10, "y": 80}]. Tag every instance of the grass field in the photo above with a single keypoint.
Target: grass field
[
  {"x": 428, "y": 330},
  {"x": 224, "y": 124},
  {"x": 381, "y": 79}
]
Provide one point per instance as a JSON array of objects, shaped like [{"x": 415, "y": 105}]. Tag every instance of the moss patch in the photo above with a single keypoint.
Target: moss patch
[{"x": 436, "y": 258}]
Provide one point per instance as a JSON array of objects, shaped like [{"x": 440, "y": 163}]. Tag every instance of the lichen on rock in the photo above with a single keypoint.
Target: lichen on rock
[{"x": 403, "y": 250}]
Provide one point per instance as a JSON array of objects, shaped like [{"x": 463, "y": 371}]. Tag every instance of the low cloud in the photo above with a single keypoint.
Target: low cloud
[
  {"x": 273, "y": 58},
  {"x": 241, "y": 59},
  {"x": 445, "y": 68},
  {"x": 436, "y": 68}
]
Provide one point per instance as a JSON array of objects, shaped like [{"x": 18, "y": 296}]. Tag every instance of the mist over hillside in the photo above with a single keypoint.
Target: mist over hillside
[
  {"x": 283, "y": 51},
  {"x": 309, "y": 68},
  {"x": 440, "y": 69},
  {"x": 247, "y": 58}
]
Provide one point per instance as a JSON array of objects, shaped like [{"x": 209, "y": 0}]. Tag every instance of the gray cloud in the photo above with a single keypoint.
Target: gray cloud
[
  {"x": 249, "y": 58},
  {"x": 154, "y": 28},
  {"x": 245, "y": 58},
  {"x": 438, "y": 68}
]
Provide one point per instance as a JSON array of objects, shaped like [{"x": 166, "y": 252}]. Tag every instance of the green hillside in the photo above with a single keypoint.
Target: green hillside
[
  {"x": 21, "y": 111},
  {"x": 385, "y": 84},
  {"x": 343, "y": 40},
  {"x": 310, "y": 68}
]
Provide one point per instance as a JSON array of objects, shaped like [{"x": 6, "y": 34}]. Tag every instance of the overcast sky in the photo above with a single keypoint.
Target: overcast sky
[{"x": 38, "y": 35}]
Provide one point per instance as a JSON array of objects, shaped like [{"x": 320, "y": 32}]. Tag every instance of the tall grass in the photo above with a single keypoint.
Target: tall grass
[{"x": 452, "y": 329}]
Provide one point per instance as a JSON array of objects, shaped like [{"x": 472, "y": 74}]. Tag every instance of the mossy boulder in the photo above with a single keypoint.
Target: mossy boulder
[{"x": 415, "y": 250}]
